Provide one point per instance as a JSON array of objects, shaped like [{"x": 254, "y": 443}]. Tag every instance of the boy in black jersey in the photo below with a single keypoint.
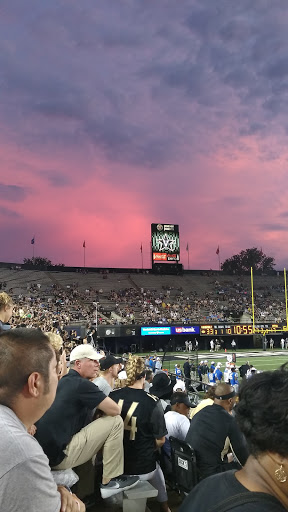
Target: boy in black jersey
[{"x": 144, "y": 429}]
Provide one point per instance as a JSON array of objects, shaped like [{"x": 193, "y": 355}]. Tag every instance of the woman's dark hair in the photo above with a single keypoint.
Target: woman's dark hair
[
  {"x": 148, "y": 374},
  {"x": 210, "y": 392},
  {"x": 178, "y": 396},
  {"x": 262, "y": 412}
]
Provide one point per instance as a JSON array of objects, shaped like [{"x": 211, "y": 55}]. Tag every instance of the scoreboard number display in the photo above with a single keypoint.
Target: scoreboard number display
[{"x": 234, "y": 329}]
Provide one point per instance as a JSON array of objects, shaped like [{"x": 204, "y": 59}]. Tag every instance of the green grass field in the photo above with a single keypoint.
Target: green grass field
[{"x": 261, "y": 360}]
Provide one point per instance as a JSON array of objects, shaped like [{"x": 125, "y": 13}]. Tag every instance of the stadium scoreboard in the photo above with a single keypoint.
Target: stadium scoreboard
[
  {"x": 235, "y": 329},
  {"x": 165, "y": 243},
  {"x": 213, "y": 330}
]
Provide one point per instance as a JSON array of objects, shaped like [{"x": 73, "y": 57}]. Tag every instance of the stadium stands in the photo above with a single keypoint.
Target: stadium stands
[{"x": 139, "y": 298}]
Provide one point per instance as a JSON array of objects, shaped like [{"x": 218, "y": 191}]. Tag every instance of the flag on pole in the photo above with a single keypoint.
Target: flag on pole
[
  {"x": 187, "y": 247},
  {"x": 84, "y": 244},
  {"x": 33, "y": 240},
  {"x": 217, "y": 250},
  {"x": 141, "y": 249}
]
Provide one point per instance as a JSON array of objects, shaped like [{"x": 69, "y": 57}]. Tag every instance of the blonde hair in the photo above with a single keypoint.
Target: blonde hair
[
  {"x": 5, "y": 300},
  {"x": 134, "y": 367},
  {"x": 55, "y": 340},
  {"x": 120, "y": 383}
]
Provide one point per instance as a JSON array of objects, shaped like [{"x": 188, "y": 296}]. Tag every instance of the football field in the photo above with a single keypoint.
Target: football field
[{"x": 261, "y": 360}]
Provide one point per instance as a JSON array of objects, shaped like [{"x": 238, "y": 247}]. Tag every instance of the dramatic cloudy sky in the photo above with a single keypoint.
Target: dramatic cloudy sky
[{"x": 116, "y": 114}]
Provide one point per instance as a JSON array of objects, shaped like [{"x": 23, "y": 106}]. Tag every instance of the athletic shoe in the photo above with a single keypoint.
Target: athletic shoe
[{"x": 118, "y": 484}]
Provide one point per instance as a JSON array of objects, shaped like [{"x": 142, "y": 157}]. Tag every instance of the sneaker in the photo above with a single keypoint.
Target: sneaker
[{"x": 118, "y": 484}]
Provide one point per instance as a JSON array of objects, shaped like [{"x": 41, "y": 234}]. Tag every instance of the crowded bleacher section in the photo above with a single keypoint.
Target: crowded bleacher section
[{"x": 62, "y": 298}]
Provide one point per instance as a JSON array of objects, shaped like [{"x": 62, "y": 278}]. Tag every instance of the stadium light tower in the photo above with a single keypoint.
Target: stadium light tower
[{"x": 96, "y": 304}]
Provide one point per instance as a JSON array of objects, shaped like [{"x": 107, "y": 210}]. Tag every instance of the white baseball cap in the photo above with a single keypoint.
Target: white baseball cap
[
  {"x": 84, "y": 351},
  {"x": 179, "y": 385}
]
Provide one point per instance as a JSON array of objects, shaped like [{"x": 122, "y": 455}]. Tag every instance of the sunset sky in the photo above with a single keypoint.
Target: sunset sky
[{"x": 115, "y": 114}]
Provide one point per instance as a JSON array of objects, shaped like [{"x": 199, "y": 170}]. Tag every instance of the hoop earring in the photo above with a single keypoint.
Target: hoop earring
[{"x": 280, "y": 474}]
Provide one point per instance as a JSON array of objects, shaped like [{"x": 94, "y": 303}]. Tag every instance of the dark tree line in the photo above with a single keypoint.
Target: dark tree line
[
  {"x": 40, "y": 263},
  {"x": 241, "y": 263}
]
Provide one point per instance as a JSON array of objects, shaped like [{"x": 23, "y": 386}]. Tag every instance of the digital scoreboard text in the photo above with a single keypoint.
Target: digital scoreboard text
[{"x": 234, "y": 329}]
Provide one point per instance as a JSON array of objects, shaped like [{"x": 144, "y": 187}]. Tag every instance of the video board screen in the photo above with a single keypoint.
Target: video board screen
[
  {"x": 155, "y": 331},
  {"x": 165, "y": 243}
]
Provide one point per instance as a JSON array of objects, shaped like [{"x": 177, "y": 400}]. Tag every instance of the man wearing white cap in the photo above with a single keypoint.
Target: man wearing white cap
[{"x": 67, "y": 433}]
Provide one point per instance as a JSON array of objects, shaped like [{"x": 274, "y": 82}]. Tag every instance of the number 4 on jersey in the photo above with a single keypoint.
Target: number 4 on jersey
[{"x": 129, "y": 417}]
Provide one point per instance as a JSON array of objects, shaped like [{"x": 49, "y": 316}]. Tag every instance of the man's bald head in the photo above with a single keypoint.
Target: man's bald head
[{"x": 225, "y": 396}]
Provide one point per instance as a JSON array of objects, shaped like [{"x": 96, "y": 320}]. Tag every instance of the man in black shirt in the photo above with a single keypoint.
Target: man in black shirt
[
  {"x": 205, "y": 371},
  {"x": 212, "y": 493},
  {"x": 67, "y": 433},
  {"x": 244, "y": 369},
  {"x": 187, "y": 370},
  {"x": 261, "y": 485},
  {"x": 208, "y": 432}
]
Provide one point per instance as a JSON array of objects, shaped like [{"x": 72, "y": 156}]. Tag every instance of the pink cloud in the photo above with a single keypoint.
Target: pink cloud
[{"x": 165, "y": 114}]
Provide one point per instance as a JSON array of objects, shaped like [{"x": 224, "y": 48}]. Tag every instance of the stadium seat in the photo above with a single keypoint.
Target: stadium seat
[
  {"x": 183, "y": 465},
  {"x": 135, "y": 499}
]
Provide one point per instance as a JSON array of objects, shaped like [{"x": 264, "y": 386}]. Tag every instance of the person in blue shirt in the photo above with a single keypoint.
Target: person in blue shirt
[
  {"x": 147, "y": 361},
  {"x": 178, "y": 372},
  {"x": 218, "y": 373},
  {"x": 211, "y": 378},
  {"x": 152, "y": 362},
  {"x": 234, "y": 380},
  {"x": 212, "y": 365}
]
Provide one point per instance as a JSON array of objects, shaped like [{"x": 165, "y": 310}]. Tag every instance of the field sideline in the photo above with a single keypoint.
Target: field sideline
[{"x": 259, "y": 359}]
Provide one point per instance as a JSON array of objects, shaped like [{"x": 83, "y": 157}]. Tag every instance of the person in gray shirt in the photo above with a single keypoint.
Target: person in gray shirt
[
  {"x": 28, "y": 382},
  {"x": 109, "y": 368}
]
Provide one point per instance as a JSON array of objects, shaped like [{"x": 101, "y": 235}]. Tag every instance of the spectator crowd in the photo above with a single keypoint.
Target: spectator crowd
[{"x": 219, "y": 301}]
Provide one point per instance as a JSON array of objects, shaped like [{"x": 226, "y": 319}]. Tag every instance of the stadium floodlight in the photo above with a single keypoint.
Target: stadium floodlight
[{"x": 96, "y": 304}]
